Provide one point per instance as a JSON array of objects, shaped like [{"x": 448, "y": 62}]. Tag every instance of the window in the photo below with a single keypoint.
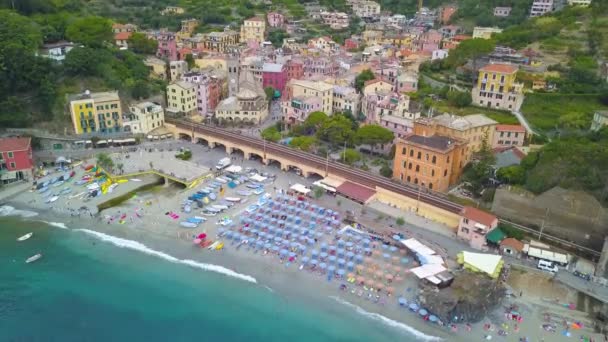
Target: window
[
  {"x": 427, "y": 157},
  {"x": 10, "y": 154},
  {"x": 417, "y": 168},
  {"x": 433, "y": 173},
  {"x": 502, "y": 134},
  {"x": 465, "y": 220},
  {"x": 415, "y": 180},
  {"x": 409, "y": 166},
  {"x": 434, "y": 160},
  {"x": 403, "y": 151},
  {"x": 409, "y": 179},
  {"x": 419, "y": 155},
  {"x": 404, "y": 164},
  {"x": 431, "y": 186},
  {"x": 448, "y": 159},
  {"x": 411, "y": 152},
  {"x": 445, "y": 173}
]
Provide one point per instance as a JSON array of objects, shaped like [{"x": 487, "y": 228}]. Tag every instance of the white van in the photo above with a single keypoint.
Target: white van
[{"x": 547, "y": 266}]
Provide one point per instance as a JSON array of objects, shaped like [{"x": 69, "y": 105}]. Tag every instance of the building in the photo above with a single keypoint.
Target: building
[
  {"x": 296, "y": 110},
  {"x": 511, "y": 247},
  {"x": 377, "y": 85},
  {"x": 121, "y": 39},
  {"x": 221, "y": 42},
  {"x": 474, "y": 225},
  {"x": 249, "y": 105},
  {"x": 366, "y": 9},
  {"x": 188, "y": 26},
  {"x": 56, "y": 51},
  {"x": 172, "y": 10},
  {"x": 509, "y": 135},
  {"x": 428, "y": 161},
  {"x": 158, "y": 67},
  {"x": 320, "y": 66},
  {"x": 407, "y": 82},
  {"x": 208, "y": 91},
  {"x": 274, "y": 75},
  {"x": 304, "y": 88},
  {"x": 502, "y": 11},
  {"x": 253, "y": 30},
  {"x": 295, "y": 69},
  {"x": 144, "y": 117},
  {"x": 485, "y": 32},
  {"x": 96, "y": 112},
  {"x": 449, "y": 31},
  {"x": 439, "y": 54},
  {"x": 584, "y": 3},
  {"x": 177, "y": 69},
  {"x": 346, "y": 99},
  {"x": 542, "y": 7},
  {"x": 600, "y": 119},
  {"x": 16, "y": 161},
  {"x": 497, "y": 88},
  {"x": 181, "y": 98},
  {"x": 380, "y": 104},
  {"x": 118, "y": 28},
  {"x": 324, "y": 44},
  {"x": 335, "y": 20},
  {"x": 275, "y": 19},
  {"x": 473, "y": 130},
  {"x": 446, "y": 13},
  {"x": 167, "y": 45}
]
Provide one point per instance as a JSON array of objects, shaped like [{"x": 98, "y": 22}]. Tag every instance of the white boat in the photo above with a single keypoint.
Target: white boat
[
  {"x": 213, "y": 245},
  {"x": 25, "y": 237},
  {"x": 135, "y": 180},
  {"x": 52, "y": 199},
  {"x": 33, "y": 258},
  {"x": 233, "y": 199}
]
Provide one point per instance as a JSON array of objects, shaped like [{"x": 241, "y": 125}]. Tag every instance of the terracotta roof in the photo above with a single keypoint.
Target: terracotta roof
[
  {"x": 356, "y": 192},
  {"x": 462, "y": 37},
  {"x": 502, "y": 68},
  {"x": 510, "y": 128},
  {"x": 122, "y": 35},
  {"x": 436, "y": 141},
  {"x": 477, "y": 215},
  {"x": 14, "y": 144},
  {"x": 376, "y": 80},
  {"x": 255, "y": 19},
  {"x": 512, "y": 243}
]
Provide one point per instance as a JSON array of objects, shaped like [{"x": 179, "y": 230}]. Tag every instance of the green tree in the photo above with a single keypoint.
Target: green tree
[
  {"x": 350, "y": 156},
  {"x": 514, "y": 174},
  {"x": 304, "y": 143},
  {"x": 386, "y": 171},
  {"x": 105, "y": 161},
  {"x": 470, "y": 49},
  {"x": 269, "y": 93},
  {"x": 363, "y": 77},
  {"x": 459, "y": 99},
  {"x": 18, "y": 31},
  {"x": 83, "y": 61},
  {"x": 315, "y": 120},
  {"x": 140, "y": 90},
  {"x": 190, "y": 60},
  {"x": 276, "y": 37},
  {"x": 140, "y": 43},
  {"x": 337, "y": 130},
  {"x": 480, "y": 170},
  {"x": 271, "y": 134},
  {"x": 373, "y": 135},
  {"x": 90, "y": 31}
]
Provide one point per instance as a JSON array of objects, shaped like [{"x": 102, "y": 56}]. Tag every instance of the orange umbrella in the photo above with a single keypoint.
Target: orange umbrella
[
  {"x": 379, "y": 286},
  {"x": 360, "y": 280},
  {"x": 374, "y": 244},
  {"x": 389, "y": 277},
  {"x": 368, "y": 260},
  {"x": 350, "y": 275},
  {"x": 396, "y": 269},
  {"x": 402, "y": 251},
  {"x": 371, "y": 270},
  {"x": 379, "y": 274},
  {"x": 390, "y": 290},
  {"x": 398, "y": 279},
  {"x": 359, "y": 268},
  {"x": 395, "y": 259},
  {"x": 376, "y": 252},
  {"x": 370, "y": 282}
]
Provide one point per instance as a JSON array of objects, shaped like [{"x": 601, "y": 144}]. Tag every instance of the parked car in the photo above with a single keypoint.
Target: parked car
[{"x": 547, "y": 266}]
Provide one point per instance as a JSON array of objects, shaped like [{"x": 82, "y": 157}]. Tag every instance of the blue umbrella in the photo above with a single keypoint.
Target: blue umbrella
[
  {"x": 221, "y": 230},
  {"x": 311, "y": 241},
  {"x": 267, "y": 246},
  {"x": 358, "y": 238},
  {"x": 332, "y": 248},
  {"x": 323, "y": 255},
  {"x": 302, "y": 249},
  {"x": 340, "y": 252},
  {"x": 314, "y": 262},
  {"x": 275, "y": 248},
  {"x": 340, "y": 243},
  {"x": 393, "y": 249},
  {"x": 331, "y": 268},
  {"x": 433, "y": 318},
  {"x": 284, "y": 252},
  {"x": 402, "y": 301},
  {"x": 397, "y": 237},
  {"x": 323, "y": 265},
  {"x": 350, "y": 255},
  {"x": 341, "y": 272},
  {"x": 314, "y": 253},
  {"x": 349, "y": 244},
  {"x": 305, "y": 259},
  {"x": 245, "y": 229},
  {"x": 277, "y": 239},
  {"x": 302, "y": 238},
  {"x": 324, "y": 246},
  {"x": 251, "y": 240},
  {"x": 359, "y": 258},
  {"x": 386, "y": 255},
  {"x": 366, "y": 243},
  {"x": 319, "y": 235},
  {"x": 384, "y": 246},
  {"x": 405, "y": 260},
  {"x": 332, "y": 259},
  {"x": 292, "y": 254},
  {"x": 350, "y": 265},
  {"x": 423, "y": 312},
  {"x": 228, "y": 234},
  {"x": 341, "y": 261},
  {"x": 328, "y": 229},
  {"x": 414, "y": 307}
]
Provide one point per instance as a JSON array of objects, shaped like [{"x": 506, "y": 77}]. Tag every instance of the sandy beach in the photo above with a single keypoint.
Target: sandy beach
[{"x": 144, "y": 219}]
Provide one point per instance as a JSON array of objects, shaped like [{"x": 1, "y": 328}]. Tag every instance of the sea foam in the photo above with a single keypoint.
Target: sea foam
[
  {"x": 56, "y": 224},
  {"x": 7, "y": 210},
  {"x": 385, "y": 320},
  {"x": 124, "y": 243}
]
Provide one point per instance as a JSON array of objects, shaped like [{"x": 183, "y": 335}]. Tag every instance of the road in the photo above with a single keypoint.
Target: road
[{"x": 522, "y": 120}]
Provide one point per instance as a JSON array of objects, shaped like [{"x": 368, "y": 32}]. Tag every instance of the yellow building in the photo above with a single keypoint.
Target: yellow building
[
  {"x": 158, "y": 67},
  {"x": 220, "y": 41},
  {"x": 181, "y": 98},
  {"x": 96, "y": 112},
  {"x": 497, "y": 88},
  {"x": 304, "y": 88},
  {"x": 253, "y": 30},
  {"x": 377, "y": 85},
  {"x": 485, "y": 32}
]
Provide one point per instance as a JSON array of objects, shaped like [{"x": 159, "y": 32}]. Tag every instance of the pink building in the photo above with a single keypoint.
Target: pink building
[
  {"x": 400, "y": 126},
  {"x": 167, "y": 46},
  {"x": 320, "y": 66},
  {"x": 407, "y": 82},
  {"x": 509, "y": 135},
  {"x": 208, "y": 91},
  {"x": 351, "y": 44},
  {"x": 296, "y": 110},
  {"x": 274, "y": 75},
  {"x": 295, "y": 69},
  {"x": 275, "y": 19},
  {"x": 16, "y": 161},
  {"x": 474, "y": 225}
]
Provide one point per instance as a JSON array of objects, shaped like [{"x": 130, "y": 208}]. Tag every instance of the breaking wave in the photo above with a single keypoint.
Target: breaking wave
[{"x": 7, "y": 210}]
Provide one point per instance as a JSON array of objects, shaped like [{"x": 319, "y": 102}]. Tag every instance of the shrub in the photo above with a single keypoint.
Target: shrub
[{"x": 400, "y": 221}]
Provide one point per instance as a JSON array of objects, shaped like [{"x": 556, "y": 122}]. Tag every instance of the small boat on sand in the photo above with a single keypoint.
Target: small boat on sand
[
  {"x": 25, "y": 237},
  {"x": 187, "y": 224},
  {"x": 213, "y": 245},
  {"x": 33, "y": 258},
  {"x": 219, "y": 246},
  {"x": 52, "y": 199}
]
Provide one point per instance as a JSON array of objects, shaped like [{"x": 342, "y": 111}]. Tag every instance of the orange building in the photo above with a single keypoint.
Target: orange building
[
  {"x": 447, "y": 12},
  {"x": 430, "y": 161}
]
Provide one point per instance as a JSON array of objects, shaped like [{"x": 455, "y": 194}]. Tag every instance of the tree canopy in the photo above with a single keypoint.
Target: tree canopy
[
  {"x": 350, "y": 156},
  {"x": 276, "y": 37},
  {"x": 373, "y": 135},
  {"x": 363, "y": 77},
  {"x": 140, "y": 43},
  {"x": 91, "y": 31},
  {"x": 470, "y": 49},
  {"x": 271, "y": 134},
  {"x": 337, "y": 130},
  {"x": 304, "y": 143}
]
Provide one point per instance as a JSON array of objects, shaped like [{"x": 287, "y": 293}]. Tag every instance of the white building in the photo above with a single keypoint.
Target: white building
[
  {"x": 439, "y": 54},
  {"x": 542, "y": 7},
  {"x": 502, "y": 11},
  {"x": 366, "y": 9},
  {"x": 346, "y": 99},
  {"x": 144, "y": 117},
  {"x": 178, "y": 68},
  {"x": 56, "y": 51},
  {"x": 583, "y": 3},
  {"x": 485, "y": 32}
]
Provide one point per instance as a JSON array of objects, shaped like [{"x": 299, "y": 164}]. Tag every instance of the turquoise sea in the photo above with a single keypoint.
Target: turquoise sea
[{"x": 85, "y": 289}]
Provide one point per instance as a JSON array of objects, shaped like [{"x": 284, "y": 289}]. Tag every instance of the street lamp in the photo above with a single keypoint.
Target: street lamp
[
  {"x": 326, "y": 163},
  {"x": 418, "y": 200},
  {"x": 260, "y": 131}
]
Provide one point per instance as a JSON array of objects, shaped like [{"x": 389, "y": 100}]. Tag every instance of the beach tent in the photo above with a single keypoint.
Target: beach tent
[
  {"x": 417, "y": 247},
  {"x": 495, "y": 236},
  {"x": 257, "y": 178},
  {"x": 234, "y": 169},
  {"x": 299, "y": 188},
  {"x": 427, "y": 270},
  {"x": 491, "y": 264}
]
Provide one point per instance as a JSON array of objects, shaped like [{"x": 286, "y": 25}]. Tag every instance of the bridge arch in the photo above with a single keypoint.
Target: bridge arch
[
  {"x": 202, "y": 141},
  {"x": 274, "y": 162},
  {"x": 314, "y": 175},
  {"x": 184, "y": 136},
  {"x": 255, "y": 156},
  {"x": 237, "y": 151}
]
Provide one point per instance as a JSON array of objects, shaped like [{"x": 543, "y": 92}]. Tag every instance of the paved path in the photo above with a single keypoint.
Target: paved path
[{"x": 523, "y": 121}]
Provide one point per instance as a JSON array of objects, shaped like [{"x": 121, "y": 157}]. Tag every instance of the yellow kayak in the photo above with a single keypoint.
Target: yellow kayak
[
  {"x": 122, "y": 181},
  {"x": 219, "y": 246}
]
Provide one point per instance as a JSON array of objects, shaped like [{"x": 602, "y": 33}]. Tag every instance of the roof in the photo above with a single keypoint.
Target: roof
[
  {"x": 182, "y": 84},
  {"x": 356, "y": 192},
  {"x": 462, "y": 123},
  {"x": 496, "y": 235},
  {"x": 501, "y": 68},
  {"x": 513, "y": 244},
  {"x": 376, "y": 80},
  {"x": 436, "y": 141},
  {"x": 62, "y": 43},
  {"x": 122, "y": 35},
  {"x": 318, "y": 86},
  {"x": 477, "y": 215},
  {"x": 14, "y": 144},
  {"x": 103, "y": 96},
  {"x": 272, "y": 67},
  {"x": 487, "y": 263},
  {"x": 511, "y": 128},
  {"x": 255, "y": 19}
]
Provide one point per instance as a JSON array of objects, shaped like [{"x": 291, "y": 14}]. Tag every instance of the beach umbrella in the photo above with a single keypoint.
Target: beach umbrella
[
  {"x": 250, "y": 240},
  {"x": 294, "y": 244},
  {"x": 323, "y": 265},
  {"x": 267, "y": 246},
  {"x": 386, "y": 256},
  {"x": 414, "y": 307},
  {"x": 390, "y": 290},
  {"x": 332, "y": 259},
  {"x": 314, "y": 253},
  {"x": 358, "y": 258},
  {"x": 405, "y": 260},
  {"x": 402, "y": 301},
  {"x": 323, "y": 246},
  {"x": 360, "y": 280},
  {"x": 328, "y": 229},
  {"x": 350, "y": 255},
  {"x": 340, "y": 252},
  {"x": 340, "y": 243},
  {"x": 388, "y": 277},
  {"x": 302, "y": 249},
  {"x": 433, "y": 318},
  {"x": 314, "y": 262},
  {"x": 323, "y": 255},
  {"x": 331, "y": 268},
  {"x": 350, "y": 266},
  {"x": 397, "y": 237},
  {"x": 369, "y": 261},
  {"x": 395, "y": 260},
  {"x": 396, "y": 269},
  {"x": 379, "y": 274},
  {"x": 277, "y": 239},
  {"x": 220, "y": 231},
  {"x": 349, "y": 244},
  {"x": 392, "y": 249},
  {"x": 319, "y": 235},
  {"x": 341, "y": 262},
  {"x": 398, "y": 279},
  {"x": 379, "y": 286},
  {"x": 358, "y": 238},
  {"x": 260, "y": 243},
  {"x": 341, "y": 272},
  {"x": 384, "y": 246},
  {"x": 423, "y": 312},
  {"x": 369, "y": 282},
  {"x": 284, "y": 252},
  {"x": 197, "y": 241},
  {"x": 367, "y": 250},
  {"x": 332, "y": 248},
  {"x": 275, "y": 249},
  {"x": 360, "y": 268},
  {"x": 228, "y": 234},
  {"x": 302, "y": 238},
  {"x": 376, "y": 252},
  {"x": 202, "y": 236},
  {"x": 311, "y": 241},
  {"x": 305, "y": 260},
  {"x": 245, "y": 229},
  {"x": 292, "y": 254}
]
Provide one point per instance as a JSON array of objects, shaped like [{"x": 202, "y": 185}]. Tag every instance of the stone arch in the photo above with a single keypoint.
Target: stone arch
[
  {"x": 202, "y": 141},
  {"x": 238, "y": 152},
  {"x": 256, "y": 156},
  {"x": 221, "y": 145},
  {"x": 184, "y": 136},
  {"x": 274, "y": 162},
  {"x": 314, "y": 175},
  {"x": 295, "y": 169}
]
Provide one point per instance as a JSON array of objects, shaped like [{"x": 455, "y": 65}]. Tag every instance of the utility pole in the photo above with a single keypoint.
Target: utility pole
[
  {"x": 542, "y": 225},
  {"x": 326, "y": 163},
  {"x": 418, "y": 200},
  {"x": 344, "y": 153}
]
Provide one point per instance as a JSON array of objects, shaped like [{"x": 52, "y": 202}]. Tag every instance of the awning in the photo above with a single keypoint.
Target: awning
[
  {"x": 234, "y": 169},
  {"x": 332, "y": 182},
  {"x": 428, "y": 270},
  {"x": 356, "y": 192},
  {"x": 300, "y": 188},
  {"x": 257, "y": 178},
  {"x": 496, "y": 235},
  {"x": 490, "y": 264},
  {"x": 416, "y": 247}
]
